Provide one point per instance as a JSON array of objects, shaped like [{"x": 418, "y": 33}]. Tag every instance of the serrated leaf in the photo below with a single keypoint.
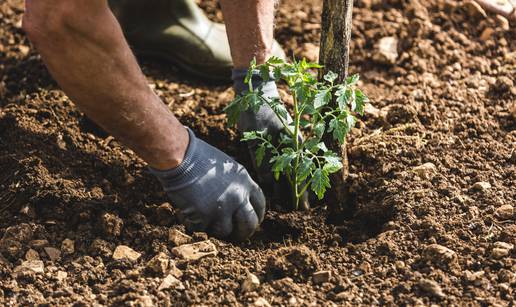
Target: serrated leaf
[
  {"x": 332, "y": 164},
  {"x": 352, "y": 80},
  {"x": 319, "y": 129},
  {"x": 233, "y": 110},
  {"x": 250, "y": 136},
  {"x": 320, "y": 182},
  {"x": 330, "y": 76},
  {"x": 278, "y": 107},
  {"x": 264, "y": 73},
  {"x": 360, "y": 101},
  {"x": 274, "y": 60},
  {"x": 282, "y": 161},
  {"x": 311, "y": 145},
  {"x": 338, "y": 129},
  {"x": 350, "y": 121},
  {"x": 322, "y": 98},
  {"x": 305, "y": 168},
  {"x": 260, "y": 153}
]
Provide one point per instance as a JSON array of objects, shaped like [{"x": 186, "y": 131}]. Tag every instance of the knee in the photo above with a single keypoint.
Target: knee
[{"x": 46, "y": 20}]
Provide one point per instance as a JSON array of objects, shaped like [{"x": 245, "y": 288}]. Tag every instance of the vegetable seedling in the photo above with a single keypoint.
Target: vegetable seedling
[{"x": 305, "y": 161}]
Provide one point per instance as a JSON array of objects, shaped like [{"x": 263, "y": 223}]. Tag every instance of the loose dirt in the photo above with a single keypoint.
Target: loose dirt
[{"x": 433, "y": 178}]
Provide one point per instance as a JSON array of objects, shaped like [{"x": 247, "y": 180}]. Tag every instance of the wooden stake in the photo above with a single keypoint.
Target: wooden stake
[{"x": 334, "y": 55}]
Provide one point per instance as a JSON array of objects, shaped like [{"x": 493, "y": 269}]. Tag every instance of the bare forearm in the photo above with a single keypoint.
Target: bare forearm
[{"x": 89, "y": 58}]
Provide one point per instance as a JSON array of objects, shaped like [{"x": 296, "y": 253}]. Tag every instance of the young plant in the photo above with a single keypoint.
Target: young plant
[{"x": 305, "y": 161}]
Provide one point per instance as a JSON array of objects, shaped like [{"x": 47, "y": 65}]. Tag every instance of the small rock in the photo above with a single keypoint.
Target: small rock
[
  {"x": 158, "y": 264},
  {"x": 38, "y": 244},
  {"x": 505, "y": 212},
  {"x": 504, "y": 84},
  {"x": 475, "y": 10},
  {"x": 425, "y": 171},
  {"x": 173, "y": 270},
  {"x": 143, "y": 301},
  {"x": 68, "y": 247},
  {"x": 11, "y": 248},
  {"x": 196, "y": 250},
  {"x": 100, "y": 247},
  {"x": 61, "y": 275},
  {"x": 165, "y": 214},
  {"x": 178, "y": 238},
  {"x": 502, "y": 22},
  {"x": 499, "y": 253},
  {"x": 32, "y": 255},
  {"x": 171, "y": 282},
  {"x": 125, "y": 252},
  {"x": 321, "y": 277},
  {"x": 261, "y": 302},
  {"x": 250, "y": 283},
  {"x": 486, "y": 34},
  {"x": 431, "y": 287},
  {"x": 386, "y": 50},
  {"x": 482, "y": 186},
  {"x": 512, "y": 111},
  {"x": 35, "y": 266},
  {"x": 22, "y": 233},
  {"x": 111, "y": 224},
  {"x": 503, "y": 245},
  {"x": 439, "y": 254},
  {"x": 53, "y": 253}
]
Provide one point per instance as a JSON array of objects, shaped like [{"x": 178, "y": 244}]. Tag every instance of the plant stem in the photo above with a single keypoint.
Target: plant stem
[{"x": 296, "y": 143}]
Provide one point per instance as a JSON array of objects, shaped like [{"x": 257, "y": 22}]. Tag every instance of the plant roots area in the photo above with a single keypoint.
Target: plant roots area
[{"x": 432, "y": 178}]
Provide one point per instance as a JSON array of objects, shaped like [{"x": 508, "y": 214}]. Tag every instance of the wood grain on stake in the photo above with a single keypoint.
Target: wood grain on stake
[{"x": 334, "y": 55}]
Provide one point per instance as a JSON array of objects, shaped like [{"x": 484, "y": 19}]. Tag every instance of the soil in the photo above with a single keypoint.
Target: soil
[{"x": 433, "y": 178}]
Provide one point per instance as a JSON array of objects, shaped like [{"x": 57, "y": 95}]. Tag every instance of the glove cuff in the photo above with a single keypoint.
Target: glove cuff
[{"x": 190, "y": 169}]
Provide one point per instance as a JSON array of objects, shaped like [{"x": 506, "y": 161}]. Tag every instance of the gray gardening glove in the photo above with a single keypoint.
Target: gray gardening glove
[
  {"x": 213, "y": 192},
  {"x": 264, "y": 119}
]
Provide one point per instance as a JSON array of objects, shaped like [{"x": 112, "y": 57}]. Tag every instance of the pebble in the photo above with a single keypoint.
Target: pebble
[
  {"x": 501, "y": 250},
  {"x": 486, "y": 34},
  {"x": 505, "y": 212},
  {"x": 111, "y": 224},
  {"x": 482, "y": 186},
  {"x": 502, "y": 22},
  {"x": 178, "y": 238},
  {"x": 61, "y": 275},
  {"x": 321, "y": 277},
  {"x": 53, "y": 253},
  {"x": 475, "y": 10},
  {"x": 171, "y": 282},
  {"x": 38, "y": 244},
  {"x": 196, "y": 250},
  {"x": 425, "y": 171},
  {"x": 165, "y": 214},
  {"x": 386, "y": 50},
  {"x": 68, "y": 247},
  {"x": 431, "y": 287},
  {"x": 261, "y": 302},
  {"x": 439, "y": 254},
  {"x": 158, "y": 264},
  {"x": 250, "y": 283},
  {"x": 32, "y": 255},
  {"x": 36, "y": 266},
  {"x": 125, "y": 252}
]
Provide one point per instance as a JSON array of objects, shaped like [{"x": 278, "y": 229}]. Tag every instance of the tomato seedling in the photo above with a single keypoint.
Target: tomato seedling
[{"x": 305, "y": 161}]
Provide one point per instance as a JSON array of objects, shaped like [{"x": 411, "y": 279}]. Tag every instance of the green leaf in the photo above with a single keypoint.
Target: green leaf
[
  {"x": 233, "y": 110},
  {"x": 274, "y": 60},
  {"x": 278, "y": 107},
  {"x": 282, "y": 161},
  {"x": 330, "y": 76},
  {"x": 311, "y": 145},
  {"x": 305, "y": 168},
  {"x": 260, "y": 153},
  {"x": 250, "y": 71},
  {"x": 350, "y": 121},
  {"x": 352, "y": 80},
  {"x": 332, "y": 164},
  {"x": 320, "y": 182},
  {"x": 250, "y": 136},
  {"x": 339, "y": 130},
  {"x": 359, "y": 103},
  {"x": 264, "y": 72},
  {"x": 319, "y": 129},
  {"x": 322, "y": 98}
]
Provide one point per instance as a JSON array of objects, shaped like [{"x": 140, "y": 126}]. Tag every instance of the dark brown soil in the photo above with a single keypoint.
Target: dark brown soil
[{"x": 442, "y": 233}]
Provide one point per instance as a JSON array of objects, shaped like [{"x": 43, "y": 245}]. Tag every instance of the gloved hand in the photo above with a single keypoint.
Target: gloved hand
[
  {"x": 264, "y": 119},
  {"x": 213, "y": 192}
]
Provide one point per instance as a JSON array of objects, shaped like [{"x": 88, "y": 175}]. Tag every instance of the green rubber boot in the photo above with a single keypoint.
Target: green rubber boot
[{"x": 179, "y": 32}]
